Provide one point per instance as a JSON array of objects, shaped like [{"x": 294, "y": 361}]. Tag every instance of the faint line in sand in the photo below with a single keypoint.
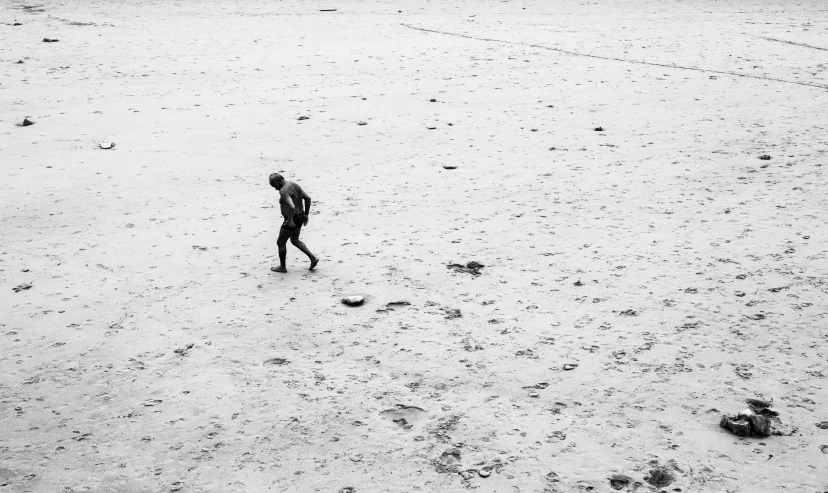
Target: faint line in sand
[
  {"x": 626, "y": 60},
  {"x": 792, "y": 43}
]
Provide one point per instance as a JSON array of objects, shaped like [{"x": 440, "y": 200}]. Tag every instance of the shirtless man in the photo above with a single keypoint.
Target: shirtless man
[{"x": 291, "y": 199}]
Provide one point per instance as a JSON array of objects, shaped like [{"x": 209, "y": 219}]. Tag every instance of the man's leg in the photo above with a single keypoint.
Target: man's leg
[
  {"x": 294, "y": 239},
  {"x": 281, "y": 242}
]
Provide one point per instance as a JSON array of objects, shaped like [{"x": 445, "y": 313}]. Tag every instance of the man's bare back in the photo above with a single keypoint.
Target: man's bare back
[{"x": 296, "y": 194}]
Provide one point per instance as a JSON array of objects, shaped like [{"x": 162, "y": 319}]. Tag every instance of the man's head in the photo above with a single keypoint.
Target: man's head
[{"x": 276, "y": 180}]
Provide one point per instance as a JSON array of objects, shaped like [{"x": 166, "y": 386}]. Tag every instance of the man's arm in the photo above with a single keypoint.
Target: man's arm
[
  {"x": 306, "y": 198},
  {"x": 291, "y": 208}
]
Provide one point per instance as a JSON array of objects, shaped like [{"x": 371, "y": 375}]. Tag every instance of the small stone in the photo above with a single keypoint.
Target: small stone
[
  {"x": 619, "y": 481},
  {"x": 362, "y": 123},
  {"x": 432, "y": 100},
  {"x": 20, "y": 61},
  {"x": 485, "y": 472},
  {"x": 764, "y": 157},
  {"x": 303, "y": 118},
  {"x": 599, "y": 129},
  {"x": 449, "y": 166},
  {"x": 570, "y": 366},
  {"x": 27, "y": 122},
  {"x": 822, "y": 425},
  {"x": 353, "y": 300},
  {"x": 106, "y": 145}
]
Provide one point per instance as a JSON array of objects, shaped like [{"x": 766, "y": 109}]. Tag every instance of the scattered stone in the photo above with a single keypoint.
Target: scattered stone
[
  {"x": 303, "y": 118},
  {"x": 764, "y": 157},
  {"x": 277, "y": 361},
  {"x": 822, "y": 425},
  {"x": 485, "y": 472},
  {"x": 152, "y": 402},
  {"x": 20, "y": 61},
  {"x": 327, "y": 10},
  {"x": 629, "y": 313},
  {"x": 347, "y": 489},
  {"x": 183, "y": 351},
  {"x": 570, "y": 366},
  {"x": 107, "y": 145},
  {"x": 432, "y": 100},
  {"x": 599, "y": 129},
  {"x": 431, "y": 128},
  {"x": 824, "y": 449},
  {"x": 758, "y": 419},
  {"x": 619, "y": 481},
  {"x": 17, "y": 24},
  {"x": 392, "y": 304},
  {"x": 468, "y": 474},
  {"x": 362, "y": 123},
  {"x": 353, "y": 300},
  {"x": 472, "y": 268},
  {"x": 47, "y": 40},
  {"x": 26, "y": 122},
  {"x": 22, "y": 287},
  {"x": 449, "y": 166}
]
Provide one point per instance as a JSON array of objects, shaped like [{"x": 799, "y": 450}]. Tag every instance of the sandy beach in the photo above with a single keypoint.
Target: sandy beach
[{"x": 643, "y": 183}]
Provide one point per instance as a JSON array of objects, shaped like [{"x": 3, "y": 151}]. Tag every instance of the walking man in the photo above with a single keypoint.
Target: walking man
[{"x": 295, "y": 205}]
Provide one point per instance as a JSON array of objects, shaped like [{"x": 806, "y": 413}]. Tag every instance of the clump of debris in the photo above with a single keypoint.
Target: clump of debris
[
  {"x": 758, "y": 419},
  {"x": 472, "y": 268}
]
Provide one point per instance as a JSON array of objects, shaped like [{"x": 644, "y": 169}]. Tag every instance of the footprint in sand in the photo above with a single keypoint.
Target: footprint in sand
[{"x": 406, "y": 417}]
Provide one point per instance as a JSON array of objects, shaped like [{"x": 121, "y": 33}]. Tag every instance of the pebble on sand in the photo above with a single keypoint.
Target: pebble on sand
[
  {"x": 449, "y": 166},
  {"x": 107, "y": 145},
  {"x": 764, "y": 157},
  {"x": 599, "y": 129},
  {"x": 26, "y": 122},
  {"x": 48, "y": 40},
  {"x": 353, "y": 300}
]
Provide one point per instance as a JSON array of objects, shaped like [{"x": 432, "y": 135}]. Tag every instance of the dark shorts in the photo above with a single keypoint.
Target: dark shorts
[{"x": 298, "y": 220}]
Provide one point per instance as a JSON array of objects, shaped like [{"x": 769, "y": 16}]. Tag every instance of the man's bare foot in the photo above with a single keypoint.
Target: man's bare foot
[
  {"x": 278, "y": 269},
  {"x": 313, "y": 263}
]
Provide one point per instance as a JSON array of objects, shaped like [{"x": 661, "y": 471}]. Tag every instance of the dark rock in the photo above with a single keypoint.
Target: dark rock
[
  {"x": 20, "y": 61},
  {"x": 764, "y": 157},
  {"x": 619, "y": 481},
  {"x": 47, "y": 40},
  {"x": 599, "y": 129},
  {"x": 27, "y": 122},
  {"x": 472, "y": 268}
]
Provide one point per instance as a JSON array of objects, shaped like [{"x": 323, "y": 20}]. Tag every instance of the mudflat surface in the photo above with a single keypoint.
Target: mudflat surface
[{"x": 637, "y": 282}]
